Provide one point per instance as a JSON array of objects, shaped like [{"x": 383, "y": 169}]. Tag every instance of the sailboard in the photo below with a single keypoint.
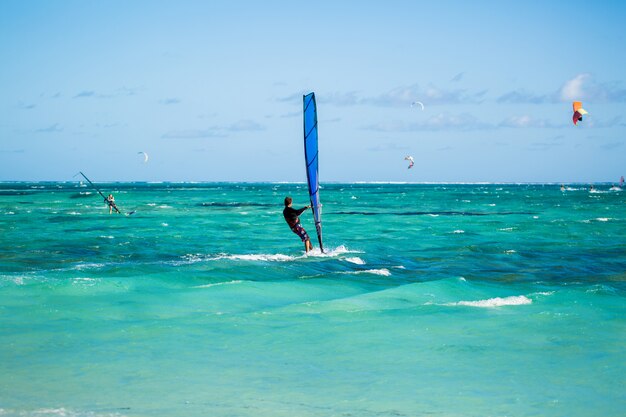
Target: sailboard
[{"x": 311, "y": 153}]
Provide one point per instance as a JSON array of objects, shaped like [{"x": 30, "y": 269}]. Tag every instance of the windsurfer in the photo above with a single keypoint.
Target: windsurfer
[
  {"x": 110, "y": 200},
  {"x": 292, "y": 219}
]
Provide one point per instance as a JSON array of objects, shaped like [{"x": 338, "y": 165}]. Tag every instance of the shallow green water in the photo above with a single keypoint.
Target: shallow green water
[{"x": 445, "y": 300}]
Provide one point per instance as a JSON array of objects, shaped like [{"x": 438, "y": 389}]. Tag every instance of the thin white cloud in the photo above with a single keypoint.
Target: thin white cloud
[
  {"x": 349, "y": 98},
  {"x": 55, "y": 128},
  {"x": 431, "y": 95},
  {"x": 120, "y": 92},
  {"x": 26, "y": 106},
  {"x": 548, "y": 143},
  {"x": 574, "y": 89},
  {"x": 86, "y": 93},
  {"x": 616, "y": 121},
  {"x": 169, "y": 101},
  {"x": 401, "y": 96},
  {"x": 583, "y": 87},
  {"x": 458, "y": 77},
  {"x": 193, "y": 134},
  {"x": 438, "y": 122},
  {"x": 522, "y": 96},
  {"x": 388, "y": 147},
  {"x": 295, "y": 97},
  {"x": 214, "y": 131},
  {"x": 612, "y": 145},
  {"x": 526, "y": 121},
  {"x": 245, "y": 126},
  {"x": 291, "y": 114}
]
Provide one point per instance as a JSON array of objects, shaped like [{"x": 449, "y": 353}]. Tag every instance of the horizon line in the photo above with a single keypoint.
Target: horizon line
[{"x": 327, "y": 182}]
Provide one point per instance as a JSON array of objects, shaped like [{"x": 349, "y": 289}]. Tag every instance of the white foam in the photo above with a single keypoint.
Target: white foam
[
  {"x": 215, "y": 284},
  {"x": 510, "y": 251},
  {"x": 190, "y": 258},
  {"x": 264, "y": 257},
  {"x": 546, "y": 293},
  {"x": 383, "y": 271},
  {"x": 164, "y": 224},
  {"x": 89, "y": 265},
  {"x": 259, "y": 257},
  {"x": 356, "y": 260},
  {"x": 62, "y": 412},
  {"x": 330, "y": 252},
  {"x": 603, "y": 219},
  {"x": 90, "y": 282},
  {"x": 459, "y": 231},
  {"x": 496, "y": 302},
  {"x": 19, "y": 280}
]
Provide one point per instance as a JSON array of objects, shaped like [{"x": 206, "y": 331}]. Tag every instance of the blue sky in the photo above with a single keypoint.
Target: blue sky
[{"x": 212, "y": 91}]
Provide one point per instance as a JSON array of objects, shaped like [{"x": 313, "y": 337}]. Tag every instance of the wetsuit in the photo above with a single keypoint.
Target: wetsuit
[
  {"x": 112, "y": 204},
  {"x": 292, "y": 219}
]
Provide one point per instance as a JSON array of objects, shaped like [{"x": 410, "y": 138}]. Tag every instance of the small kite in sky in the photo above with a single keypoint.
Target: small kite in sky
[
  {"x": 145, "y": 156},
  {"x": 578, "y": 112},
  {"x": 411, "y": 162},
  {"x": 418, "y": 103}
]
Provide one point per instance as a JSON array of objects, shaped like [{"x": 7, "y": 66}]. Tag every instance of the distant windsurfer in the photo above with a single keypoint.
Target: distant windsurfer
[
  {"x": 292, "y": 219},
  {"x": 110, "y": 200}
]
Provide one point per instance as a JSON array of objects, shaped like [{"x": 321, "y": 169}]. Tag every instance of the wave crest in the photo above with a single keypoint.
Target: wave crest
[{"x": 515, "y": 300}]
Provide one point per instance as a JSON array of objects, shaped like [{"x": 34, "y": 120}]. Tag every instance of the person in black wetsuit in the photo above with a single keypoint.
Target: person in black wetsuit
[{"x": 292, "y": 219}]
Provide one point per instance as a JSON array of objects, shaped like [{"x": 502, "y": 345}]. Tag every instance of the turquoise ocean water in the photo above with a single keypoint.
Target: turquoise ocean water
[{"x": 432, "y": 300}]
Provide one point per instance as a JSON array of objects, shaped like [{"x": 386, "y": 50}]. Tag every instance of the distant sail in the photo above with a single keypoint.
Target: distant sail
[{"x": 311, "y": 156}]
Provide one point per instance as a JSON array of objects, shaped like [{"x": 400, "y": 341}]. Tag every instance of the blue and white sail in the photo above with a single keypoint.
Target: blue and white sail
[{"x": 311, "y": 153}]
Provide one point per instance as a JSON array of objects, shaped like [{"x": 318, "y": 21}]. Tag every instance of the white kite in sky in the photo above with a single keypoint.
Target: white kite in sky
[
  {"x": 418, "y": 103},
  {"x": 145, "y": 156}
]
